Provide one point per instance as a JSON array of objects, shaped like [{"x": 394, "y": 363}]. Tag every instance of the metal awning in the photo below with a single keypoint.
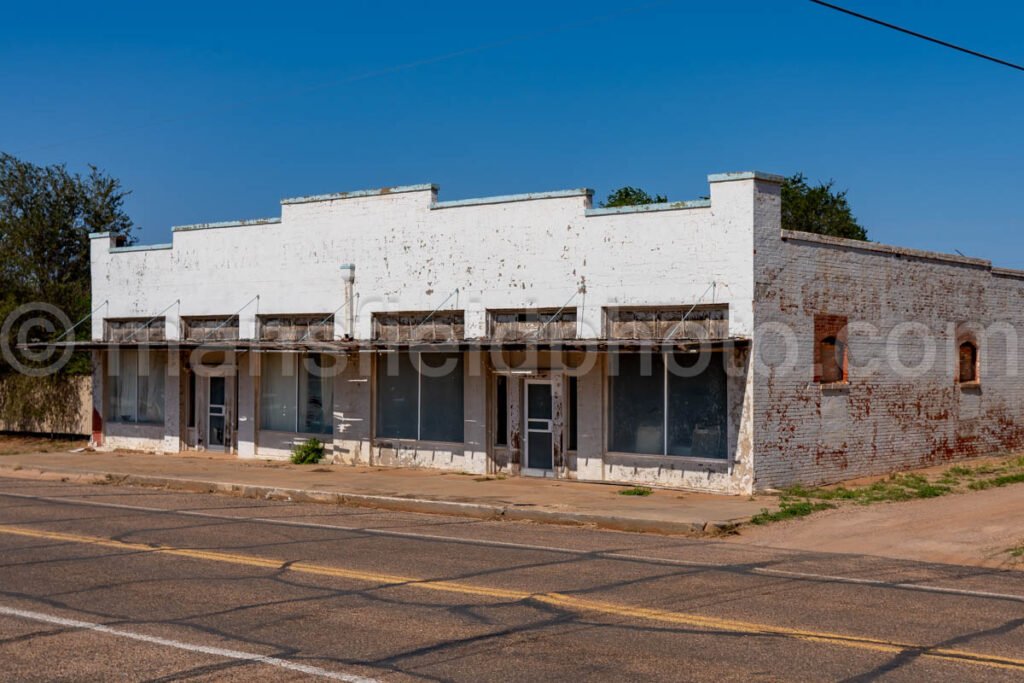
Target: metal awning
[{"x": 347, "y": 346}]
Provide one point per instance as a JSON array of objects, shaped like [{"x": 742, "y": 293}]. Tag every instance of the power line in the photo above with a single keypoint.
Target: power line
[{"x": 922, "y": 36}]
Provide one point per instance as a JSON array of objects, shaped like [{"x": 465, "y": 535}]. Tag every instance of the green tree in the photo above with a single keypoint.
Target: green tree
[
  {"x": 631, "y": 196},
  {"x": 46, "y": 216},
  {"x": 818, "y": 208}
]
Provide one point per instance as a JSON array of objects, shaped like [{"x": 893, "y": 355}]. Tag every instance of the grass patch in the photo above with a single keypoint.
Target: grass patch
[
  {"x": 898, "y": 487},
  {"x": 1018, "y": 551},
  {"x": 789, "y": 509},
  {"x": 636, "y": 491},
  {"x": 800, "y": 501},
  {"x": 1002, "y": 480}
]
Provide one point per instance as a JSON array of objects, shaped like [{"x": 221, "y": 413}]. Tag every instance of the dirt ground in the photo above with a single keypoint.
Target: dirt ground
[
  {"x": 11, "y": 444},
  {"x": 980, "y": 528}
]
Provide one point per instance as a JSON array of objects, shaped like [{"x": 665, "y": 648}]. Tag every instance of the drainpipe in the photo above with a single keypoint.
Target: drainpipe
[{"x": 350, "y": 280}]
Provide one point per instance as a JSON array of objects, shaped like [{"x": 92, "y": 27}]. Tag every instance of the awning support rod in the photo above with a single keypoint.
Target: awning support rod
[
  {"x": 686, "y": 315},
  {"x": 536, "y": 335},
  {"x": 329, "y": 316},
  {"x": 431, "y": 314},
  {"x": 145, "y": 325},
  {"x": 72, "y": 328},
  {"x": 230, "y": 318}
]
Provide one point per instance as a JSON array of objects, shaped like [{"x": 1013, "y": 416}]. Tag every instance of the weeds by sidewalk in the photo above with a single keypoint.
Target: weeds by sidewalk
[
  {"x": 636, "y": 491},
  {"x": 800, "y": 501}
]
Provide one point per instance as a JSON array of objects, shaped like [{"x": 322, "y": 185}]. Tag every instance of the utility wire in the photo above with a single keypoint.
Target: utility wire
[{"x": 922, "y": 36}]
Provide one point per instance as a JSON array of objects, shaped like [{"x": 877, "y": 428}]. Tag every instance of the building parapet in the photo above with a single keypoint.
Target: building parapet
[
  {"x": 140, "y": 247},
  {"x": 646, "y": 208},
  {"x": 874, "y": 247},
  {"x": 1008, "y": 272},
  {"x": 226, "y": 224},
  {"x": 505, "y": 199},
  {"x": 745, "y": 175},
  {"x": 381, "y": 191}
]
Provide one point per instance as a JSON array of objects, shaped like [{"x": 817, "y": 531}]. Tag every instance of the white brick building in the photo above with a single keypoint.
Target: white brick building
[{"x": 598, "y": 344}]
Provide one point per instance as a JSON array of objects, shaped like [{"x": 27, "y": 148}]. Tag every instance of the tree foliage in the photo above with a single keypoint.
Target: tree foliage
[
  {"x": 819, "y": 209},
  {"x": 632, "y": 196},
  {"x": 46, "y": 216}
]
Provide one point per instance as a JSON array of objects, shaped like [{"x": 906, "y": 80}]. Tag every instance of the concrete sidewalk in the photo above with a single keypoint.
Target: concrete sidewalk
[{"x": 408, "y": 490}]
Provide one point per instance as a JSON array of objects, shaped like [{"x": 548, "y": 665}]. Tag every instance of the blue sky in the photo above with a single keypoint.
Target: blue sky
[{"x": 209, "y": 111}]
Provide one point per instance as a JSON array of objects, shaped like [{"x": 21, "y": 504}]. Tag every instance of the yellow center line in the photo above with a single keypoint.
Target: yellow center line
[{"x": 559, "y": 600}]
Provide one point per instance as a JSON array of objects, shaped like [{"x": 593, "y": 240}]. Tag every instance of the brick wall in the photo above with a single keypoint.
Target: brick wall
[{"x": 897, "y": 410}]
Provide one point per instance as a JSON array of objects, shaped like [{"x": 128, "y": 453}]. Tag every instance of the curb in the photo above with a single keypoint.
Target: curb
[{"x": 391, "y": 503}]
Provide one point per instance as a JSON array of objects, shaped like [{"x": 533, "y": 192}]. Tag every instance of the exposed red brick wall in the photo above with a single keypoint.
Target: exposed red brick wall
[{"x": 881, "y": 421}]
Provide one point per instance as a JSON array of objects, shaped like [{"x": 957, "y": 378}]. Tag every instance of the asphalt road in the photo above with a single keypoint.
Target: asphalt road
[{"x": 111, "y": 583}]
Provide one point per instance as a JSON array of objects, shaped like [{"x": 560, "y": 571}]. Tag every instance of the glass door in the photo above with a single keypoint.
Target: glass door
[
  {"x": 217, "y": 412},
  {"x": 539, "y": 415}
]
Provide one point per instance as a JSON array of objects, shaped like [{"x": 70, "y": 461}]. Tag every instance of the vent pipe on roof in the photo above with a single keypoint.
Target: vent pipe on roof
[{"x": 350, "y": 281}]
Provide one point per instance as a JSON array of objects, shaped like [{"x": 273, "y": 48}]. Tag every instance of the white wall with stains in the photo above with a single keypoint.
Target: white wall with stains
[{"x": 411, "y": 252}]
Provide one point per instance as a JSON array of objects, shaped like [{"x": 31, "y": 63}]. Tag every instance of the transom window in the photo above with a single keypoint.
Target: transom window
[
  {"x": 532, "y": 324},
  {"x": 134, "y": 329},
  {"x": 708, "y": 321},
  {"x": 211, "y": 328},
  {"x": 420, "y": 397}
]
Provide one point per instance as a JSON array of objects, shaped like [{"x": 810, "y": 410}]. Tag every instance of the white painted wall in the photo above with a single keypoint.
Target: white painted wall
[{"x": 411, "y": 253}]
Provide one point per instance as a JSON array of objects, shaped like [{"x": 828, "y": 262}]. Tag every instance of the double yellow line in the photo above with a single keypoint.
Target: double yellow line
[{"x": 560, "y": 600}]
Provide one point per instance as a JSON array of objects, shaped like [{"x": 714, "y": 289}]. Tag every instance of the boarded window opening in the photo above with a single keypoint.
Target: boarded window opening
[
  {"x": 292, "y": 328},
  {"x": 214, "y": 328},
  {"x": 534, "y": 324},
  {"x": 419, "y": 326},
  {"x": 831, "y": 356},
  {"x": 675, "y": 322},
  {"x": 968, "y": 366},
  {"x": 134, "y": 329}
]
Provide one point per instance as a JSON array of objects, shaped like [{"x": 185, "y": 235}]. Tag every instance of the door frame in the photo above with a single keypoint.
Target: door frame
[
  {"x": 226, "y": 446},
  {"x": 230, "y": 375},
  {"x": 524, "y": 418}
]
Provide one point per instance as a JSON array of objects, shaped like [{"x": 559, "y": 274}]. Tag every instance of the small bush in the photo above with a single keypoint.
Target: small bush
[
  {"x": 636, "y": 491},
  {"x": 308, "y": 453}
]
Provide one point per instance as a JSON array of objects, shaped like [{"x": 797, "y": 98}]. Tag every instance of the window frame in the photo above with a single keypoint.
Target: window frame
[
  {"x": 500, "y": 437},
  {"x": 834, "y": 327},
  {"x": 572, "y": 391},
  {"x": 417, "y": 364},
  {"x": 608, "y": 398},
  {"x": 975, "y": 379},
  {"x": 109, "y": 393},
  {"x": 296, "y": 394}
]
